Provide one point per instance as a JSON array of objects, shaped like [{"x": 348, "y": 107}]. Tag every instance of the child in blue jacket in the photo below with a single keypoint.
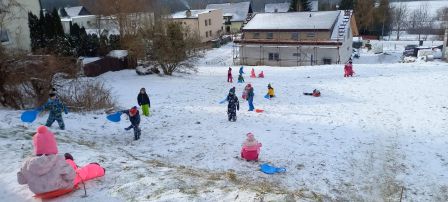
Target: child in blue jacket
[{"x": 134, "y": 117}]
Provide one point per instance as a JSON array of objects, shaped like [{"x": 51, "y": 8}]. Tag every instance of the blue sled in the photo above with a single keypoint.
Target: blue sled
[
  {"x": 115, "y": 117},
  {"x": 29, "y": 116},
  {"x": 268, "y": 169}
]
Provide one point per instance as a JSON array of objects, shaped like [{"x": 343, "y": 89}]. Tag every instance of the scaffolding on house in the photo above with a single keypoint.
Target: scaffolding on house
[{"x": 303, "y": 54}]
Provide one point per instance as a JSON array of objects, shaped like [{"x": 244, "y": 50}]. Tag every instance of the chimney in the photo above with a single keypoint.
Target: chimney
[{"x": 188, "y": 13}]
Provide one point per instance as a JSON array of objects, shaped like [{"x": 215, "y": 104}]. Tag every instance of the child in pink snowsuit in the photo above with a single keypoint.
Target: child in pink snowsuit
[
  {"x": 229, "y": 75},
  {"x": 348, "y": 69},
  {"x": 251, "y": 148},
  {"x": 48, "y": 174},
  {"x": 252, "y": 73},
  {"x": 261, "y": 75}
]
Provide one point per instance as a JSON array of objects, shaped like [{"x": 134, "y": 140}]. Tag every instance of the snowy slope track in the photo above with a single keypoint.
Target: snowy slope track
[{"x": 368, "y": 138}]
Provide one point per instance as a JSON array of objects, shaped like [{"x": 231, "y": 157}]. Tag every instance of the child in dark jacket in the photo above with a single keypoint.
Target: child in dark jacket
[
  {"x": 134, "y": 117},
  {"x": 55, "y": 106},
  {"x": 144, "y": 102},
  {"x": 233, "y": 105}
]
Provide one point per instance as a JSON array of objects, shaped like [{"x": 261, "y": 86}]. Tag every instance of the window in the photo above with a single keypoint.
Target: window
[
  {"x": 256, "y": 35},
  {"x": 206, "y": 34},
  {"x": 210, "y": 33},
  {"x": 206, "y": 22},
  {"x": 269, "y": 35},
  {"x": 274, "y": 56},
  {"x": 295, "y": 36},
  {"x": 296, "y": 54},
  {"x": 209, "y": 21},
  {"x": 4, "y": 36},
  {"x": 311, "y": 34}
]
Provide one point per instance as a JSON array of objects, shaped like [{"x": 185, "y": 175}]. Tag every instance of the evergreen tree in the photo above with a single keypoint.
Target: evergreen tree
[
  {"x": 347, "y": 5},
  {"x": 56, "y": 23},
  {"x": 33, "y": 24},
  {"x": 300, "y": 5},
  {"x": 75, "y": 30}
]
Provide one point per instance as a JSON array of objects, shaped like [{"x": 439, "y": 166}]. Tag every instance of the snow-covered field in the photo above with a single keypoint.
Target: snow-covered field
[{"x": 368, "y": 138}]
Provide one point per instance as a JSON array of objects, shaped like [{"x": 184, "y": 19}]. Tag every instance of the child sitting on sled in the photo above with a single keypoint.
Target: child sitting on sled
[
  {"x": 316, "y": 93},
  {"x": 50, "y": 175},
  {"x": 261, "y": 75},
  {"x": 134, "y": 118},
  {"x": 271, "y": 93},
  {"x": 251, "y": 148}
]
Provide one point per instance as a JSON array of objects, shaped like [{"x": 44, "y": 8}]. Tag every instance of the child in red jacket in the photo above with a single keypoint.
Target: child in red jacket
[{"x": 348, "y": 69}]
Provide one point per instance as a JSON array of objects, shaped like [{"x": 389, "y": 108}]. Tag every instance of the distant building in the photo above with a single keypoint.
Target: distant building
[
  {"x": 314, "y": 5},
  {"x": 234, "y": 14},
  {"x": 14, "y": 30},
  {"x": 79, "y": 15},
  {"x": 297, "y": 38},
  {"x": 207, "y": 23},
  {"x": 277, "y": 7}
]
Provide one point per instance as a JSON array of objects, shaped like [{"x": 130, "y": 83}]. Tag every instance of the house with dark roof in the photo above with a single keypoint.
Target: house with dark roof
[
  {"x": 297, "y": 38},
  {"x": 235, "y": 15}
]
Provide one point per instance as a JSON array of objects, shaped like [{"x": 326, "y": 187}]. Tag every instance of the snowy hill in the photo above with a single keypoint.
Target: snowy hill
[{"x": 366, "y": 139}]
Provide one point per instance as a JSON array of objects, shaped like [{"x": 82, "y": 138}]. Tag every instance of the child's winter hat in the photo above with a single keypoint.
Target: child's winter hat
[
  {"x": 232, "y": 90},
  {"x": 250, "y": 137},
  {"x": 143, "y": 89},
  {"x": 133, "y": 111},
  {"x": 44, "y": 142}
]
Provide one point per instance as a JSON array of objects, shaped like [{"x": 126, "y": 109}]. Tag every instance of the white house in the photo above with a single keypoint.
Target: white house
[
  {"x": 297, "y": 38},
  {"x": 14, "y": 30}
]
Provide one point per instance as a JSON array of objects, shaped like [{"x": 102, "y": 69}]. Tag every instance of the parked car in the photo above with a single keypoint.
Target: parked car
[{"x": 409, "y": 50}]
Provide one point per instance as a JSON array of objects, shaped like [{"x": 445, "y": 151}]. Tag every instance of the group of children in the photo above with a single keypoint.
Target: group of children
[{"x": 240, "y": 75}]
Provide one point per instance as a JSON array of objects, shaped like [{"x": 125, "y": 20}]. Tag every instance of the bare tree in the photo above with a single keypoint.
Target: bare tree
[
  {"x": 171, "y": 46},
  {"x": 365, "y": 15},
  {"x": 400, "y": 15},
  {"x": 420, "y": 22}
]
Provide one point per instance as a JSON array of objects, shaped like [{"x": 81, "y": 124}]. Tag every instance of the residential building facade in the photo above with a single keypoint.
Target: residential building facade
[
  {"x": 234, "y": 14},
  {"x": 207, "y": 23},
  {"x": 14, "y": 30},
  {"x": 296, "y": 39}
]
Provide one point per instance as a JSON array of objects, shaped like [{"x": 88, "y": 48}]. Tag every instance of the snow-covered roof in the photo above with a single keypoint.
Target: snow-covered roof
[
  {"x": 194, "y": 13},
  {"x": 73, "y": 11},
  {"x": 276, "y": 8},
  {"x": 293, "y": 21},
  {"x": 342, "y": 26},
  {"x": 118, "y": 53},
  {"x": 239, "y": 11}
]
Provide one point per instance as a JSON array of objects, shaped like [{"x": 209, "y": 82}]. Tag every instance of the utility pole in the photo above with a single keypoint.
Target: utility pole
[{"x": 445, "y": 39}]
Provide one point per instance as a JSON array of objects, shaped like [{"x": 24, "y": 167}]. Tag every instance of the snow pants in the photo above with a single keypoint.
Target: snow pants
[
  {"x": 55, "y": 117},
  {"x": 229, "y": 78},
  {"x": 251, "y": 103},
  {"x": 231, "y": 113},
  {"x": 145, "y": 109},
  {"x": 88, "y": 172}
]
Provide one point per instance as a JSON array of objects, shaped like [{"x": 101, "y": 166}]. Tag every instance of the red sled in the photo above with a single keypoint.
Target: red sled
[
  {"x": 53, "y": 194},
  {"x": 259, "y": 110}
]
